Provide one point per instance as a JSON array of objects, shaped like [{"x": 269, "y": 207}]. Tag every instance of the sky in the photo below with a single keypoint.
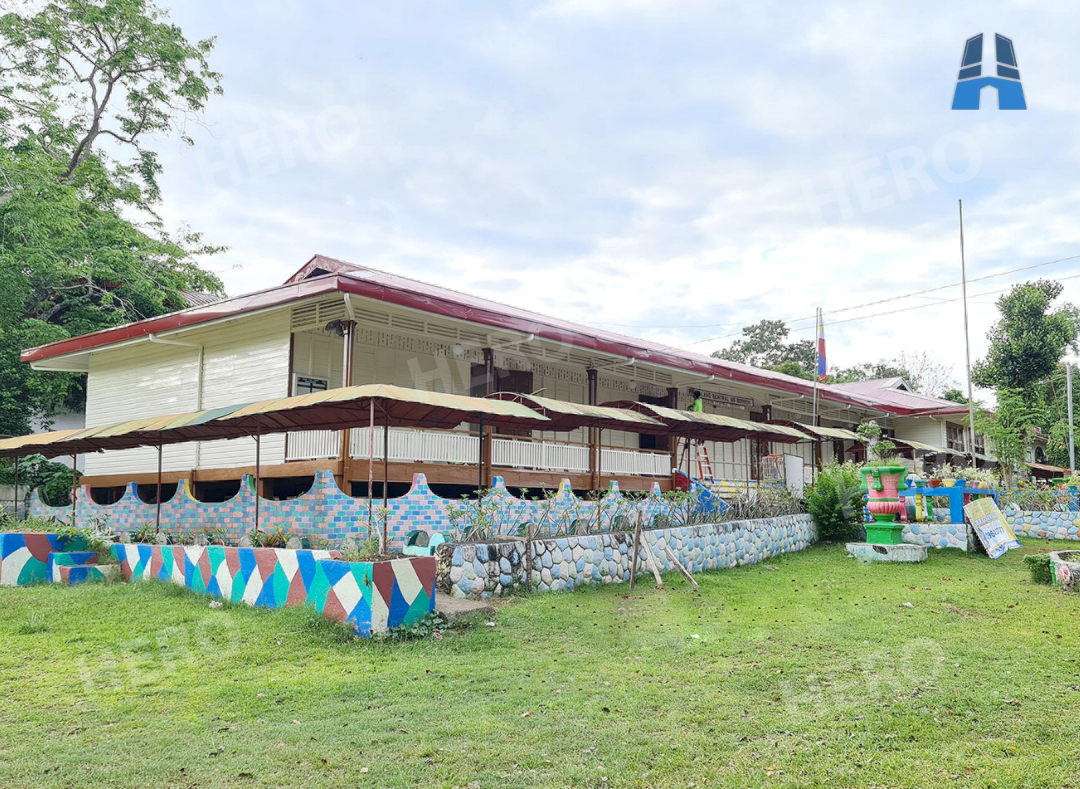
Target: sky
[{"x": 669, "y": 169}]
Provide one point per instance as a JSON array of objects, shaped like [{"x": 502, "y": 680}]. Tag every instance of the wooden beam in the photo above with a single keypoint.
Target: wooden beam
[{"x": 437, "y": 473}]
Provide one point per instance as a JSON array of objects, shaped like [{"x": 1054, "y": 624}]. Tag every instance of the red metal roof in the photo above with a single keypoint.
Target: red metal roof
[
  {"x": 884, "y": 391},
  {"x": 414, "y": 294}
]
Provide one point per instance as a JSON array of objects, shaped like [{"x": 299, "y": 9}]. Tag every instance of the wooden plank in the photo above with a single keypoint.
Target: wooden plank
[
  {"x": 634, "y": 560},
  {"x": 680, "y": 567},
  {"x": 398, "y": 472},
  {"x": 652, "y": 563}
]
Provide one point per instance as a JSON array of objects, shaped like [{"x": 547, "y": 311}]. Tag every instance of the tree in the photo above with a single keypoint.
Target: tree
[
  {"x": 1009, "y": 429},
  {"x": 1030, "y": 339},
  {"x": 955, "y": 395},
  {"x": 917, "y": 369},
  {"x": 83, "y": 85},
  {"x": 765, "y": 345}
]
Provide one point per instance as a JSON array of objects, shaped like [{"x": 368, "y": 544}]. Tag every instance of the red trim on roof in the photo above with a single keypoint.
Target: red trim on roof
[
  {"x": 226, "y": 308},
  {"x": 405, "y": 292}
]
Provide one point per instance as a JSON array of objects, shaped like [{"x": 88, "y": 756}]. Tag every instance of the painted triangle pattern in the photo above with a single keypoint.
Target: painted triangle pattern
[{"x": 372, "y": 597}]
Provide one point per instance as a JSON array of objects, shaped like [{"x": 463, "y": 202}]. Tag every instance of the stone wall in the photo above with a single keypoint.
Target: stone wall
[
  {"x": 937, "y": 535},
  {"x": 487, "y": 569},
  {"x": 371, "y": 596},
  {"x": 326, "y": 513},
  {"x": 1046, "y": 525}
]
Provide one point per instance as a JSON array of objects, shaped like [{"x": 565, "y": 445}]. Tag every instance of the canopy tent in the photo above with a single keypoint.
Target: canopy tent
[
  {"x": 566, "y": 416},
  {"x": 1048, "y": 469},
  {"x": 711, "y": 427},
  {"x": 828, "y": 432},
  {"x": 335, "y": 409},
  {"x": 926, "y": 447}
]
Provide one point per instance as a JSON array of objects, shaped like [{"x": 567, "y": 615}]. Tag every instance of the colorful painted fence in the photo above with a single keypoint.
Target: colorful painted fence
[
  {"x": 326, "y": 513},
  {"x": 371, "y": 596},
  {"x": 25, "y": 558},
  {"x": 491, "y": 569}
]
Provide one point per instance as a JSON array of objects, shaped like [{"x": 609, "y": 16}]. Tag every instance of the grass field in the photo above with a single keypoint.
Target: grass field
[{"x": 813, "y": 673}]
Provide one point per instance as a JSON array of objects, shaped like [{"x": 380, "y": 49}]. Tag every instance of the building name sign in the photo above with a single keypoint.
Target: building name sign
[{"x": 725, "y": 400}]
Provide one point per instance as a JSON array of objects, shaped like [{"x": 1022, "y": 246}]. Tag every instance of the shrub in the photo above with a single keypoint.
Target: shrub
[
  {"x": 1039, "y": 566},
  {"x": 836, "y": 501}
]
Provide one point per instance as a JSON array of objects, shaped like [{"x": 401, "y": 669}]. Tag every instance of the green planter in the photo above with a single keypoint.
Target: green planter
[{"x": 884, "y": 533}]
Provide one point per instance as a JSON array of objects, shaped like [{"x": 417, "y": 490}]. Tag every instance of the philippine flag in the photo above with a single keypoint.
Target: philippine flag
[{"x": 821, "y": 366}]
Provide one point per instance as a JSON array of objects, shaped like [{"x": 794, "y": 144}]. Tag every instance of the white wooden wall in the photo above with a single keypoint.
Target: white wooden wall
[{"x": 242, "y": 362}]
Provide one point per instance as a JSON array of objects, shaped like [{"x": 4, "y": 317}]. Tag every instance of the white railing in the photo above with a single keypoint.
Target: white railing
[
  {"x": 452, "y": 446},
  {"x": 635, "y": 464},
  {"x": 313, "y": 445},
  {"x": 540, "y": 455},
  {"x": 424, "y": 446}
]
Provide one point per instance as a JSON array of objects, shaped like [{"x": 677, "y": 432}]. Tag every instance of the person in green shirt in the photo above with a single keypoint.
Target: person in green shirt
[{"x": 699, "y": 403}]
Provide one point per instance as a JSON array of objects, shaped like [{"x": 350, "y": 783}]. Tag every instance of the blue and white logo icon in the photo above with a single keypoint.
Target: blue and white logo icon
[{"x": 971, "y": 81}]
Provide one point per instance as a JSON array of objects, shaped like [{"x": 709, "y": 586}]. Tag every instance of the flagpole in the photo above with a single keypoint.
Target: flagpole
[{"x": 817, "y": 368}]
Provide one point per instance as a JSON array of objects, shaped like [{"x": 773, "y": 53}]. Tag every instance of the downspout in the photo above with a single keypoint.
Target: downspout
[{"x": 198, "y": 379}]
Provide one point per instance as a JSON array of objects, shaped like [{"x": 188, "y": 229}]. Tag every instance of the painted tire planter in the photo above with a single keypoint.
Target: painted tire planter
[
  {"x": 1065, "y": 569},
  {"x": 883, "y": 485}
]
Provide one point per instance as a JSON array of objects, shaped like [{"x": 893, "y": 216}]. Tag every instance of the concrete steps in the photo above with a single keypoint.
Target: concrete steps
[{"x": 79, "y": 567}]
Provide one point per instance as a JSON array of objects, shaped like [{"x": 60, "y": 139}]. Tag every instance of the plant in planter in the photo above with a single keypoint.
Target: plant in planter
[{"x": 883, "y": 479}]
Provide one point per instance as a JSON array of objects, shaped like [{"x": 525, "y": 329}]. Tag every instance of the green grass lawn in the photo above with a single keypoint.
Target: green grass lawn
[{"x": 814, "y": 673}]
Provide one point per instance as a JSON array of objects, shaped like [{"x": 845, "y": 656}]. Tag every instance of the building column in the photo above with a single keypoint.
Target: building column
[
  {"x": 348, "y": 329},
  {"x": 674, "y": 442},
  {"x": 488, "y": 432},
  {"x": 594, "y": 434}
]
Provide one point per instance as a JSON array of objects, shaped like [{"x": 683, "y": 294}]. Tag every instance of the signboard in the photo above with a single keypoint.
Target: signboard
[
  {"x": 991, "y": 526},
  {"x": 725, "y": 400}
]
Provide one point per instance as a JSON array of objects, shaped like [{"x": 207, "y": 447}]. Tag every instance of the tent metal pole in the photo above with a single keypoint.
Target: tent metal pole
[
  {"x": 74, "y": 486},
  {"x": 157, "y": 506},
  {"x": 371, "y": 466},
  {"x": 385, "y": 462},
  {"x": 258, "y": 474},
  {"x": 16, "y": 487}
]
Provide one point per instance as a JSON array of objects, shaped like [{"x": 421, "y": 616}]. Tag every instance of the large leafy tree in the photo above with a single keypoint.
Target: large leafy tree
[
  {"x": 84, "y": 84},
  {"x": 1030, "y": 339},
  {"x": 765, "y": 345},
  {"x": 1023, "y": 366},
  {"x": 1010, "y": 429}
]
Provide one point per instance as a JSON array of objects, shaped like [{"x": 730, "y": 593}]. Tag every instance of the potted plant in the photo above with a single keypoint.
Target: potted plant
[
  {"x": 883, "y": 479},
  {"x": 948, "y": 476}
]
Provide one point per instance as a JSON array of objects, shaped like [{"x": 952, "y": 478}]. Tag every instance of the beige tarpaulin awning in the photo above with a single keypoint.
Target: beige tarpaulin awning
[
  {"x": 926, "y": 447},
  {"x": 830, "y": 432},
  {"x": 566, "y": 416},
  {"x": 1048, "y": 467}
]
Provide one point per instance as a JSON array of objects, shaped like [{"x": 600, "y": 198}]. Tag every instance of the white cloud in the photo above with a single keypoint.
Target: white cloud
[{"x": 641, "y": 162}]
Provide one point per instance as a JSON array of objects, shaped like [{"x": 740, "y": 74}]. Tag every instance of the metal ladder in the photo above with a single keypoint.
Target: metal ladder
[{"x": 704, "y": 463}]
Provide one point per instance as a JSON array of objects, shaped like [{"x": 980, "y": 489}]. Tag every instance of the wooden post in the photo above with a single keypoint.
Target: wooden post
[
  {"x": 678, "y": 565},
  {"x": 594, "y": 434},
  {"x": 637, "y": 544},
  {"x": 652, "y": 562},
  {"x": 486, "y": 434},
  {"x": 348, "y": 329},
  {"x": 526, "y": 560},
  {"x": 480, "y": 460},
  {"x": 157, "y": 506},
  {"x": 385, "y": 461}
]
